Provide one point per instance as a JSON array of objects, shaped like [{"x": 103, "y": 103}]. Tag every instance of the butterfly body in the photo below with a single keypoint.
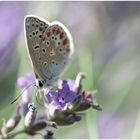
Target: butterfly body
[{"x": 50, "y": 47}]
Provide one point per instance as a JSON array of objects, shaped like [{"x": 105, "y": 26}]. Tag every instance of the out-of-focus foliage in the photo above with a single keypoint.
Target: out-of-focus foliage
[{"x": 107, "y": 47}]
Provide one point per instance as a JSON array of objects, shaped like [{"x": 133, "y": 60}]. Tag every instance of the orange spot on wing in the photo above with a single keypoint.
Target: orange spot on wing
[
  {"x": 58, "y": 31},
  {"x": 53, "y": 31},
  {"x": 48, "y": 34},
  {"x": 61, "y": 35},
  {"x": 65, "y": 41}
]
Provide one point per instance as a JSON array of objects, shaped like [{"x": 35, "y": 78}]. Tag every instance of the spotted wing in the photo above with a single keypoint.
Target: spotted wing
[
  {"x": 50, "y": 46},
  {"x": 34, "y": 29},
  {"x": 56, "y": 50}
]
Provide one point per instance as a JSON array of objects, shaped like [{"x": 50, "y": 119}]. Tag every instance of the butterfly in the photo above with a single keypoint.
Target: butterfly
[{"x": 50, "y": 48}]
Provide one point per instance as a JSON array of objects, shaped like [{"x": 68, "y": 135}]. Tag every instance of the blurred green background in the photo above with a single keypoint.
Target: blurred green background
[{"x": 106, "y": 36}]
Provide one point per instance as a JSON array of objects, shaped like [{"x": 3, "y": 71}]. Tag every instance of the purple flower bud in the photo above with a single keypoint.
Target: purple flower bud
[
  {"x": 11, "y": 124},
  {"x": 30, "y": 116},
  {"x": 24, "y": 108},
  {"x": 39, "y": 125}
]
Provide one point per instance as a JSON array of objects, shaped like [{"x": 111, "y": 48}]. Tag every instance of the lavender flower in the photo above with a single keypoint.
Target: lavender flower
[
  {"x": 64, "y": 103},
  {"x": 68, "y": 92},
  {"x": 61, "y": 98}
]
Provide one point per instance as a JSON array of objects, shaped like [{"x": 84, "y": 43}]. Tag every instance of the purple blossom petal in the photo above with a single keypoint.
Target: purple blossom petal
[
  {"x": 26, "y": 83},
  {"x": 61, "y": 98},
  {"x": 54, "y": 95},
  {"x": 71, "y": 84},
  {"x": 22, "y": 82},
  {"x": 65, "y": 87}
]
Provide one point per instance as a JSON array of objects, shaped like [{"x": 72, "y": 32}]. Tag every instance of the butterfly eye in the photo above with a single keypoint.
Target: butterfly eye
[{"x": 40, "y": 84}]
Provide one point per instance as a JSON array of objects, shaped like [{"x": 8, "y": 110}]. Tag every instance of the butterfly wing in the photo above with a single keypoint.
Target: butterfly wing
[
  {"x": 34, "y": 29},
  {"x": 56, "y": 50},
  {"x": 50, "y": 46}
]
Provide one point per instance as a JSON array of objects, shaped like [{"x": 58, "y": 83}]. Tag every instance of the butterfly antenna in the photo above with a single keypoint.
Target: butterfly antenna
[{"x": 22, "y": 93}]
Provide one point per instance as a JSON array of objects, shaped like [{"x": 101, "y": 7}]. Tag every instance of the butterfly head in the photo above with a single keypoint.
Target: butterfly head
[{"x": 41, "y": 84}]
